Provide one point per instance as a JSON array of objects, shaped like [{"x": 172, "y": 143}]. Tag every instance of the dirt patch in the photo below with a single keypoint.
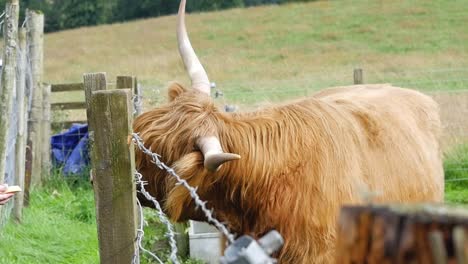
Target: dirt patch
[{"x": 454, "y": 116}]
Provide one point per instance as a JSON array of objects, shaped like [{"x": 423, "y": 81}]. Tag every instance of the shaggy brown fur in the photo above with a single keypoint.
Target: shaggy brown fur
[{"x": 299, "y": 162}]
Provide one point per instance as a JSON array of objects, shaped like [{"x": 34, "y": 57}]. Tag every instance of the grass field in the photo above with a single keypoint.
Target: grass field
[
  {"x": 254, "y": 55},
  {"x": 277, "y": 52},
  {"x": 59, "y": 227}
]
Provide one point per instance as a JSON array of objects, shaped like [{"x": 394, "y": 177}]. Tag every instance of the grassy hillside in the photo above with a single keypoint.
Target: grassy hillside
[{"x": 280, "y": 51}]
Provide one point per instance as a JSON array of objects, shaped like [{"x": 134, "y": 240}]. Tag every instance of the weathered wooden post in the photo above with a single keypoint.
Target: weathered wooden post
[
  {"x": 358, "y": 76},
  {"x": 22, "y": 101},
  {"x": 8, "y": 77},
  {"x": 35, "y": 38},
  {"x": 130, "y": 82},
  {"x": 113, "y": 169},
  {"x": 402, "y": 234},
  {"x": 46, "y": 132},
  {"x": 92, "y": 82}
]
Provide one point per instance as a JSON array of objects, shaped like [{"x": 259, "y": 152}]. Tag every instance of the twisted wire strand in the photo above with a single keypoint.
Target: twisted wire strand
[
  {"x": 193, "y": 191},
  {"x": 162, "y": 216}
]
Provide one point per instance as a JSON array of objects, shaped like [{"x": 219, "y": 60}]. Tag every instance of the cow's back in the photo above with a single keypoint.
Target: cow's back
[
  {"x": 398, "y": 140},
  {"x": 380, "y": 143}
]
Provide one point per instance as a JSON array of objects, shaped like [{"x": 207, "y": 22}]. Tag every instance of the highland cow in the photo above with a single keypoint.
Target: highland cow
[{"x": 291, "y": 167}]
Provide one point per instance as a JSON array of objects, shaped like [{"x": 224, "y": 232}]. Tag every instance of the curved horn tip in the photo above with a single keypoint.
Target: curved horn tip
[
  {"x": 214, "y": 162},
  {"x": 182, "y": 6}
]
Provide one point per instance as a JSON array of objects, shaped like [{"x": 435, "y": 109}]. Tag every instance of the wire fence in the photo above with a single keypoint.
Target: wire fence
[
  {"x": 193, "y": 191},
  {"x": 12, "y": 133}
]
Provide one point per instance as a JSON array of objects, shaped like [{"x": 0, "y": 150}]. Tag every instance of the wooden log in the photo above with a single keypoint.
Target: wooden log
[
  {"x": 68, "y": 87},
  {"x": 68, "y": 106},
  {"x": 401, "y": 234},
  {"x": 22, "y": 101},
  {"x": 8, "y": 77},
  {"x": 35, "y": 29},
  {"x": 358, "y": 76},
  {"x": 113, "y": 168}
]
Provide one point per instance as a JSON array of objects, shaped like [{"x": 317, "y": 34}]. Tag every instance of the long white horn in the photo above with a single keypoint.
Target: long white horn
[
  {"x": 213, "y": 153},
  {"x": 195, "y": 69}
]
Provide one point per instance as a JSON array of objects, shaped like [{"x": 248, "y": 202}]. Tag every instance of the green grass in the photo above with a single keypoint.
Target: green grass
[
  {"x": 59, "y": 226},
  {"x": 456, "y": 175}
]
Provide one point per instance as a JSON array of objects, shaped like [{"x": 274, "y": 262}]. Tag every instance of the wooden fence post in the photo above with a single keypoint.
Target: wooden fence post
[
  {"x": 92, "y": 82},
  {"x": 130, "y": 82},
  {"x": 46, "y": 132},
  {"x": 35, "y": 29},
  {"x": 113, "y": 169},
  {"x": 8, "y": 77},
  {"x": 22, "y": 101},
  {"x": 358, "y": 76},
  {"x": 125, "y": 82}
]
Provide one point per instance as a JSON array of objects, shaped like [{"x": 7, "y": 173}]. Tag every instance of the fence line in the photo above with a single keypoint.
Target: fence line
[{"x": 15, "y": 107}]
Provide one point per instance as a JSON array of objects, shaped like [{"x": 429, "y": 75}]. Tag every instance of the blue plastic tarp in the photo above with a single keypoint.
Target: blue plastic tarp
[{"x": 70, "y": 149}]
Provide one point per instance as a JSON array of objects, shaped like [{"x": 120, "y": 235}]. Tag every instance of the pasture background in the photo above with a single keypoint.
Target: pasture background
[
  {"x": 273, "y": 53},
  {"x": 256, "y": 56}
]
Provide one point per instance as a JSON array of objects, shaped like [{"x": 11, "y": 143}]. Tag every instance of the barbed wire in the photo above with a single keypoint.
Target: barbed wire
[
  {"x": 192, "y": 191},
  {"x": 163, "y": 218},
  {"x": 139, "y": 239}
]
